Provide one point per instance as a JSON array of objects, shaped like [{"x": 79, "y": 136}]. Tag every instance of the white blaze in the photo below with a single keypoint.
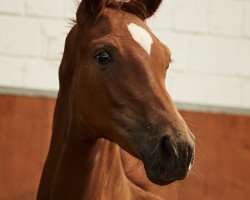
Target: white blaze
[{"x": 141, "y": 36}]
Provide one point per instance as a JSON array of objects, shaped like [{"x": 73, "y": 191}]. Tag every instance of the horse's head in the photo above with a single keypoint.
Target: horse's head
[{"x": 118, "y": 86}]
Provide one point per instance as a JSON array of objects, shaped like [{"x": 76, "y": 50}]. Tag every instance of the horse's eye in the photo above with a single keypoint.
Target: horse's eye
[{"x": 103, "y": 57}]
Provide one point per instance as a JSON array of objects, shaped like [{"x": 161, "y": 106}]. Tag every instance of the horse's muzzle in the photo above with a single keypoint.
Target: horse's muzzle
[{"x": 170, "y": 162}]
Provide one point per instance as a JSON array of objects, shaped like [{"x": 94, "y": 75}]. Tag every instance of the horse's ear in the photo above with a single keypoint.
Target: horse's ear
[
  {"x": 90, "y": 8},
  {"x": 142, "y": 8}
]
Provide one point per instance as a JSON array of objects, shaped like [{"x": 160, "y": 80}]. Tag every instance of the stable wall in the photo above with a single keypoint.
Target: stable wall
[{"x": 221, "y": 168}]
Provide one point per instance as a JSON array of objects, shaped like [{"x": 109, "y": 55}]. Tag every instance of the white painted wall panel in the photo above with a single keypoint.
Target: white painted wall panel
[
  {"x": 209, "y": 40},
  {"x": 226, "y": 17}
]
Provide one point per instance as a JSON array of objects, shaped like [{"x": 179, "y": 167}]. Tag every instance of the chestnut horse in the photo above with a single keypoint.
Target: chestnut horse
[{"x": 112, "y": 95}]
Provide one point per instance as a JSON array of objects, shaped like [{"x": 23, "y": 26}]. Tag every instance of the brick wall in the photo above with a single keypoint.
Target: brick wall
[{"x": 209, "y": 39}]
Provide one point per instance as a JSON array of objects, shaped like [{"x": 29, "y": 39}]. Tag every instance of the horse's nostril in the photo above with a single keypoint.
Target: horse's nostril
[{"x": 167, "y": 147}]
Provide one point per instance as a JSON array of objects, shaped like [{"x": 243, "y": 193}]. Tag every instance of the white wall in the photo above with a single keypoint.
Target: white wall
[{"x": 209, "y": 39}]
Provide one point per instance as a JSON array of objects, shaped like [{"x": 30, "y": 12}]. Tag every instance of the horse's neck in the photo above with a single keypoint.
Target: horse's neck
[
  {"x": 107, "y": 179},
  {"x": 91, "y": 173},
  {"x": 89, "y": 170}
]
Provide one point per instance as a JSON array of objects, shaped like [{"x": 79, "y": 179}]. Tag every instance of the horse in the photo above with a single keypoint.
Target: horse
[{"x": 112, "y": 96}]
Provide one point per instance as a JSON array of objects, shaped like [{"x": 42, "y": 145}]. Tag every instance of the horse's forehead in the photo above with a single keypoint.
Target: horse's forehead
[
  {"x": 121, "y": 23},
  {"x": 115, "y": 23}
]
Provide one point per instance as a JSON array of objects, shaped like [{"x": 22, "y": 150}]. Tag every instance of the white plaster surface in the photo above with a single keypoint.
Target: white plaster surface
[{"x": 209, "y": 40}]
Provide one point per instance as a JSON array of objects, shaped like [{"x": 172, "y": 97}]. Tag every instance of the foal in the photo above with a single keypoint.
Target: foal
[{"x": 112, "y": 94}]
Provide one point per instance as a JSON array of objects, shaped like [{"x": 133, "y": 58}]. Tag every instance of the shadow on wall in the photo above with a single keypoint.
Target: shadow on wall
[{"x": 220, "y": 172}]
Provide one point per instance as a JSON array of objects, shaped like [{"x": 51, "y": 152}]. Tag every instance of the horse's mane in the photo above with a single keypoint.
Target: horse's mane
[
  {"x": 135, "y": 7},
  {"x": 141, "y": 8}
]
